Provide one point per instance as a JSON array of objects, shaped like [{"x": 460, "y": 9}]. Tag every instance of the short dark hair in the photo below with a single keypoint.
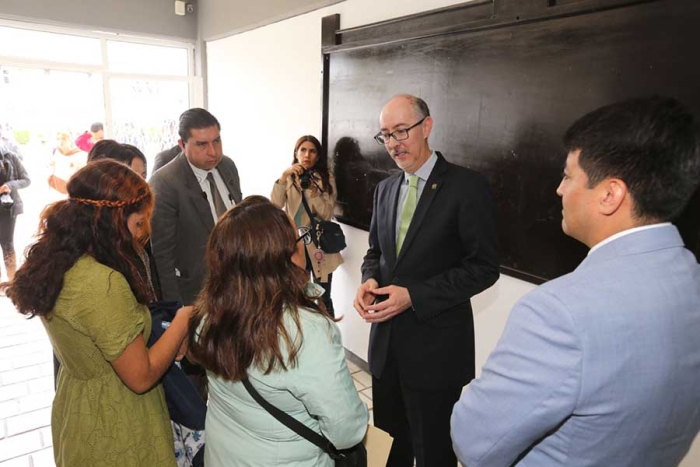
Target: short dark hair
[
  {"x": 651, "y": 143},
  {"x": 110, "y": 149},
  {"x": 195, "y": 118},
  {"x": 95, "y": 127}
]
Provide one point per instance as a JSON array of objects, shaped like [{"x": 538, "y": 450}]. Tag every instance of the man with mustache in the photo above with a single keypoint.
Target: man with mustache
[
  {"x": 432, "y": 246},
  {"x": 192, "y": 192}
]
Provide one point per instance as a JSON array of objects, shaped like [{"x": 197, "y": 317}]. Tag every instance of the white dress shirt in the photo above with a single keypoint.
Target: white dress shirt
[{"x": 201, "y": 176}]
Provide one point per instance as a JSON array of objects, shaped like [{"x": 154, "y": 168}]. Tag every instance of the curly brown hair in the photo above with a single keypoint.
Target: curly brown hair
[
  {"x": 92, "y": 221},
  {"x": 251, "y": 283}
]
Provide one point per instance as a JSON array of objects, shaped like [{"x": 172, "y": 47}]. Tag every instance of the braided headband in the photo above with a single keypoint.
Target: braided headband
[{"x": 110, "y": 204}]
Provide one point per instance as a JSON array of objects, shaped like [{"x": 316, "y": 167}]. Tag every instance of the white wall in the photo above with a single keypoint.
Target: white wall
[{"x": 265, "y": 87}]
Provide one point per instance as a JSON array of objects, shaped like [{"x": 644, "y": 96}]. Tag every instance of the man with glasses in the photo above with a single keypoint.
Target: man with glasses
[{"x": 432, "y": 246}]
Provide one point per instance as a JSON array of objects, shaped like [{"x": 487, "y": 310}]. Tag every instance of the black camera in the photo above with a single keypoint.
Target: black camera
[
  {"x": 6, "y": 201},
  {"x": 305, "y": 179}
]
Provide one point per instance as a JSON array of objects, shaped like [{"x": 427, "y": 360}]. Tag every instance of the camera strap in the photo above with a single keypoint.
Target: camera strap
[{"x": 312, "y": 219}]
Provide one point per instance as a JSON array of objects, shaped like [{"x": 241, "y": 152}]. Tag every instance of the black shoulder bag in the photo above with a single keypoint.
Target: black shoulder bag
[
  {"x": 326, "y": 235},
  {"x": 356, "y": 456}
]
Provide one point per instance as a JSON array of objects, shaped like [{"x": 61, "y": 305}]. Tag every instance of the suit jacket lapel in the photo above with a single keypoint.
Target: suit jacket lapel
[
  {"x": 432, "y": 186},
  {"x": 229, "y": 180},
  {"x": 194, "y": 190}
]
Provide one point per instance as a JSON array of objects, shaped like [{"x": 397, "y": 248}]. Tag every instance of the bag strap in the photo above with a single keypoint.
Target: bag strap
[
  {"x": 306, "y": 206},
  {"x": 311, "y": 219},
  {"x": 292, "y": 423}
]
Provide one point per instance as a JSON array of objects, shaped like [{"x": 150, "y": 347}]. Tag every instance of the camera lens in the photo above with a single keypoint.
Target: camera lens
[{"x": 305, "y": 180}]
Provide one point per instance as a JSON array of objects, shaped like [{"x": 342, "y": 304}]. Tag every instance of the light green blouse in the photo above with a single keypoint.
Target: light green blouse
[
  {"x": 318, "y": 392},
  {"x": 96, "y": 420}
]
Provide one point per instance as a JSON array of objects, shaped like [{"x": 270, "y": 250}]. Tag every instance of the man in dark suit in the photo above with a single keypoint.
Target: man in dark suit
[
  {"x": 191, "y": 193},
  {"x": 163, "y": 157},
  {"x": 432, "y": 246}
]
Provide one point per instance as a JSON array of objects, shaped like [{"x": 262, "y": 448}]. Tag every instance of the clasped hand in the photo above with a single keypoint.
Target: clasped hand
[{"x": 398, "y": 300}]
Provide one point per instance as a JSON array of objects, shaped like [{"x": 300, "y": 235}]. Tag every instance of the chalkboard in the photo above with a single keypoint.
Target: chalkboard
[{"x": 502, "y": 94}]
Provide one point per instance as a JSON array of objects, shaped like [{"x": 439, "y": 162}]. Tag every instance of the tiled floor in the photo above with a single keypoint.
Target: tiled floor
[
  {"x": 26, "y": 390},
  {"x": 363, "y": 383}
]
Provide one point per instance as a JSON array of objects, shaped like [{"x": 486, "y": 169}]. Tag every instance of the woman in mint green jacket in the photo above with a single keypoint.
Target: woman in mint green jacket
[{"x": 256, "y": 317}]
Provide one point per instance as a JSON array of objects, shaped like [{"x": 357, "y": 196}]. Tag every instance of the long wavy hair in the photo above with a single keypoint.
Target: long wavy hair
[
  {"x": 92, "y": 221},
  {"x": 251, "y": 283},
  {"x": 321, "y": 166}
]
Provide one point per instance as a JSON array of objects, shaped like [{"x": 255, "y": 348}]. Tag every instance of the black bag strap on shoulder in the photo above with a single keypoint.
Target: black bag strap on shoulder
[
  {"x": 306, "y": 207},
  {"x": 312, "y": 219},
  {"x": 292, "y": 423}
]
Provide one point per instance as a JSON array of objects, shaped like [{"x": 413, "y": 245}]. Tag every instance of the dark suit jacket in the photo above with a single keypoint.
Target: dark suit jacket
[
  {"x": 449, "y": 255},
  {"x": 181, "y": 223},
  {"x": 163, "y": 157}
]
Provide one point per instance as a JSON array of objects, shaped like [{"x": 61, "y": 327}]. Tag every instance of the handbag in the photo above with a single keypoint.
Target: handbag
[
  {"x": 355, "y": 456},
  {"x": 326, "y": 235},
  {"x": 185, "y": 404}
]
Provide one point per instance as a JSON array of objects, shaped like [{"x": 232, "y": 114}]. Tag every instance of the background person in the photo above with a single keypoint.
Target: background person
[
  {"x": 601, "y": 367},
  {"x": 256, "y": 317},
  {"x": 83, "y": 277},
  {"x": 124, "y": 153},
  {"x": 164, "y": 157},
  {"x": 321, "y": 193},
  {"x": 191, "y": 193},
  {"x": 13, "y": 177},
  {"x": 88, "y": 139},
  {"x": 8, "y": 143},
  {"x": 66, "y": 159}
]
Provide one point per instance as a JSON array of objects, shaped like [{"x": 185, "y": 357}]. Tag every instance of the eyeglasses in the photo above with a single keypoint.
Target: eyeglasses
[
  {"x": 398, "y": 135},
  {"x": 304, "y": 234}
]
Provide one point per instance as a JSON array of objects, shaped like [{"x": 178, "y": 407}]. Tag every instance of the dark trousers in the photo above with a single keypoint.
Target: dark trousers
[
  {"x": 326, "y": 297},
  {"x": 7, "y": 241},
  {"x": 419, "y": 421}
]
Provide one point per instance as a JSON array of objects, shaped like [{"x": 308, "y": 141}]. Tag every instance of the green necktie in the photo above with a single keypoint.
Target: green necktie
[{"x": 409, "y": 207}]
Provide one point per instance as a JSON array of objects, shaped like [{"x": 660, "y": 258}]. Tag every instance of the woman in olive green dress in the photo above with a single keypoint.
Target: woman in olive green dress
[{"x": 84, "y": 278}]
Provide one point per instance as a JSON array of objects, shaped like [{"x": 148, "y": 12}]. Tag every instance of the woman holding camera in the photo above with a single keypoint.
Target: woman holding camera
[
  {"x": 13, "y": 176},
  {"x": 308, "y": 176}
]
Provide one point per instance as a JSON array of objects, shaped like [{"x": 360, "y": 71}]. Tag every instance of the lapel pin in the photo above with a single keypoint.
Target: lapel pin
[{"x": 434, "y": 186}]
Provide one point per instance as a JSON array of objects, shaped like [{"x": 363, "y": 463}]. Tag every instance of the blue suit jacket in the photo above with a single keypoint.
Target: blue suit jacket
[{"x": 600, "y": 367}]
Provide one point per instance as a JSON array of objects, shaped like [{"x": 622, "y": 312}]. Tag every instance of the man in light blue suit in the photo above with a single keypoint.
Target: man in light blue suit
[{"x": 601, "y": 367}]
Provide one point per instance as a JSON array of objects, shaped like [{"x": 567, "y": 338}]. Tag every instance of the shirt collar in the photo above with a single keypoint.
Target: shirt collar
[
  {"x": 627, "y": 232},
  {"x": 201, "y": 174},
  {"x": 424, "y": 172}
]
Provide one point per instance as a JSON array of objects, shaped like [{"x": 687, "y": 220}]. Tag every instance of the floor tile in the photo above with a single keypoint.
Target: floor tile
[
  {"x": 352, "y": 367},
  {"x": 364, "y": 378}
]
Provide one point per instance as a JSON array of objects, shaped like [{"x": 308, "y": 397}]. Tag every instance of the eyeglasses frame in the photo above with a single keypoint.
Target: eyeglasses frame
[{"x": 392, "y": 135}]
